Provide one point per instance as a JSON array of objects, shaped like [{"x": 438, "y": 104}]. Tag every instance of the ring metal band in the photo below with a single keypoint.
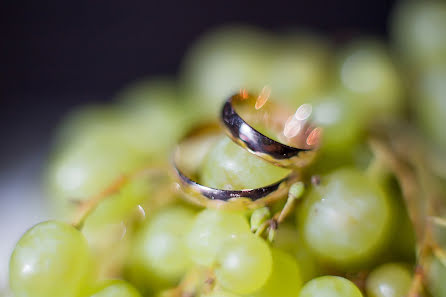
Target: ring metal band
[
  {"x": 221, "y": 198},
  {"x": 259, "y": 144}
]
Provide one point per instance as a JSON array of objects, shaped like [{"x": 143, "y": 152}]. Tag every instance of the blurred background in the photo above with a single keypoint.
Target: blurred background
[{"x": 59, "y": 55}]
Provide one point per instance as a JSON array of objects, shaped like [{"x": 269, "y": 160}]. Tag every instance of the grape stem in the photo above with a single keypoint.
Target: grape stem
[
  {"x": 404, "y": 155},
  {"x": 376, "y": 169},
  {"x": 296, "y": 191},
  {"x": 196, "y": 280},
  {"x": 87, "y": 207},
  {"x": 438, "y": 221},
  {"x": 262, "y": 228},
  {"x": 439, "y": 253}
]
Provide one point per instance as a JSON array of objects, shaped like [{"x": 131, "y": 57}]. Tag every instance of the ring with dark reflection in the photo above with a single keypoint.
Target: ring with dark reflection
[
  {"x": 296, "y": 153},
  {"x": 187, "y": 158}
]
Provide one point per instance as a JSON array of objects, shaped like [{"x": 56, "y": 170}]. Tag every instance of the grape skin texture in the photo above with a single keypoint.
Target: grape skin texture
[
  {"x": 159, "y": 256},
  {"x": 436, "y": 278},
  {"x": 330, "y": 286},
  {"x": 94, "y": 146},
  {"x": 418, "y": 29},
  {"x": 117, "y": 288},
  {"x": 220, "y": 293},
  {"x": 345, "y": 219},
  {"x": 229, "y": 166},
  {"x": 288, "y": 239},
  {"x": 284, "y": 281},
  {"x": 222, "y": 62},
  {"x": 105, "y": 226},
  {"x": 431, "y": 105},
  {"x": 368, "y": 73},
  {"x": 51, "y": 259},
  {"x": 341, "y": 120},
  {"x": 298, "y": 68},
  {"x": 243, "y": 264},
  {"x": 210, "y": 229},
  {"x": 389, "y": 280}
]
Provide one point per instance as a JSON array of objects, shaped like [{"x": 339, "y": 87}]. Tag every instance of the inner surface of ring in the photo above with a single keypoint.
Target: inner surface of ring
[
  {"x": 187, "y": 162},
  {"x": 262, "y": 130}
]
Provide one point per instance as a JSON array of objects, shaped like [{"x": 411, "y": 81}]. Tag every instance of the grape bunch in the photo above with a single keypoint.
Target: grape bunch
[{"x": 367, "y": 218}]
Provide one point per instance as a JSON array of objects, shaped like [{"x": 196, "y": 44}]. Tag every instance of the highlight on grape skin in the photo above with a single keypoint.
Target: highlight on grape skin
[{"x": 367, "y": 218}]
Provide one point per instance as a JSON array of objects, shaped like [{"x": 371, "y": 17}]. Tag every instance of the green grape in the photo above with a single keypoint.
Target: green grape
[
  {"x": 152, "y": 117},
  {"x": 105, "y": 228},
  {"x": 288, "y": 239},
  {"x": 229, "y": 166},
  {"x": 51, "y": 259},
  {"x": 118, "y": 207},
  {"x": 346, "y": 219},
  {"x": 116, "y": 288},
  {"x": 86, "y": 168},
  {"x": 341, "y": 120},
  {"x": 403, "y": 243},
  {"x": 436, "y": 275},
  {"x": 284, "y": 281},
  {"x": 93, "y": 121},
  {"x": 98, "y": 144},
  {"x": 367, "y": 71},
  {"x": 243, "y": 264},
  {"x": 439, "y": 233},
  {"x": 220, "y": 293},
  {"x": 259, "y": 217},
  {"x": 330, "y": 286},
  {"x": 223, "y": 62},
  {"x": 209, "y": 230},
  {"x": 389, "y": 280},
  {"x": 419, "y": 31},
  {"x": 430, "y": 105},
  {"x": 299, "y": 68},
  {"x": 159, "y": 257}
]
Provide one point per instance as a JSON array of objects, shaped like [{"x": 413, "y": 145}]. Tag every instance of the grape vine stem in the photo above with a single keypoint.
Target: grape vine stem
[
  {"x": 87, "y": 207},
  {"x": 404, "y": 154}
]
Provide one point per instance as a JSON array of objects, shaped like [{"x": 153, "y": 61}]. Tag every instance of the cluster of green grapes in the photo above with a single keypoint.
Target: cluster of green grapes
[{"x": 350, "y": 231}]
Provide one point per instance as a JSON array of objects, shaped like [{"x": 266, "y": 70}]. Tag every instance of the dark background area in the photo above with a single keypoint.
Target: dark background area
[{"x": 58, "y": 54}]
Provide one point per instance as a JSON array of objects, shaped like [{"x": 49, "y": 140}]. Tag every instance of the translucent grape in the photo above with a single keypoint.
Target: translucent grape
[
  {"x": 116, "y": 288},
  {"x": 98, "y": 144},
  {"x": 284, "y": 280},
  {"x": 299, "y": 68},
  {"x": 86, "y": 168},
  {"x": 210, "y": 229},
  {"x": 220, "y": 293},
  {"x": 389, "y": 280},
  {"x": 223, "y": 62},
  {"x": 418, "y": 29},
  {"x": 229, "y": 166},
  {"x": 346, "y": 219},
  {"x": 431, "y": 105},
  {"x": 159, "y": 257},
  {"x": 151, "y": 110},
  {"x": 106, "y": 227},
  {"x": 341, "y": 120},
  {"x": 436, "y": 275},
  {"x": 403, "y": 241},
  {"x": 288, "y": 239},
  {"x": 330, "y": 286},
  {"x": 51, "y": 259},
  {"x": 244, "y": 264},
  {"x": 369, "y": 74},
  {"x": 119, "y": 206}
]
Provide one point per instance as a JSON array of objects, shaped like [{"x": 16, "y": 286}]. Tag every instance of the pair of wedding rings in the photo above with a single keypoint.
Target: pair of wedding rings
[{"x": 292, "y": 152}]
